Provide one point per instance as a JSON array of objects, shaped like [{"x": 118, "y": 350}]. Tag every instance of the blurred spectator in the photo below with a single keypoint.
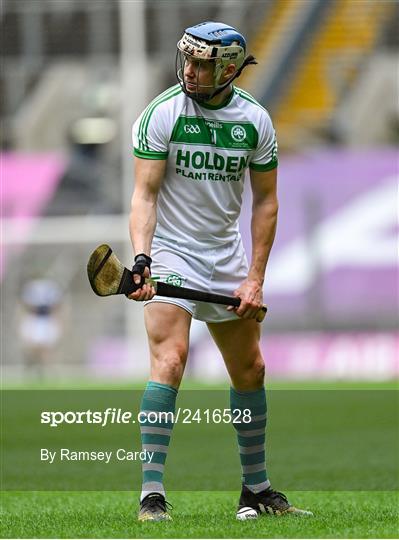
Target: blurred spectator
[{"x": 40, "y": 324}]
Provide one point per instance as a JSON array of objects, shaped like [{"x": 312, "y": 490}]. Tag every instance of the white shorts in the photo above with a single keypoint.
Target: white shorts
[{"x": 219, "y": 270}]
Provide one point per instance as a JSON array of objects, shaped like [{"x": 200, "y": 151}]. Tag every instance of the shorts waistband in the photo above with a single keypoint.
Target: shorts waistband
[{"x": 197, "y": 249}]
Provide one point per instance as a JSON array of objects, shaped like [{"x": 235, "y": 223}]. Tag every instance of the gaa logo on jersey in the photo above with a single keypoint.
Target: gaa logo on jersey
[
  {"x": 175, "y": 279},
  {"x": 238, "y": 133},
  {"x": 191, "y": 128}
]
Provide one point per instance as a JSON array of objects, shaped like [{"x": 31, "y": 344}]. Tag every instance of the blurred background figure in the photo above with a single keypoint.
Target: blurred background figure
[
  {"x": 76, "y": 74},
  {"x": 40, "y": 325}
]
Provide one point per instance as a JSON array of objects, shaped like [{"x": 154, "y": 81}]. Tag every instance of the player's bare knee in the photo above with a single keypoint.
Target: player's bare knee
[
  {"x": 169, "y": 366},
  {"x": 251, "y": 376},
  {"x": 259, "y": 371},
  {"x": 254, "y": 377}
]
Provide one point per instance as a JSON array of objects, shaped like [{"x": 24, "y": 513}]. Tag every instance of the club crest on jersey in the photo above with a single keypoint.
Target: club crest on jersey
[{"x": 238, "y": 133}]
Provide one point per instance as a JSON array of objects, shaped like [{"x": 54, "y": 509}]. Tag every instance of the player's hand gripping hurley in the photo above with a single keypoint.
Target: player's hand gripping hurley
[{"x": 108, "y": 276}]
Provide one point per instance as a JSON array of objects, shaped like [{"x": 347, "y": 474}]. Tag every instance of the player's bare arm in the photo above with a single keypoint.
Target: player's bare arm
[
  {"x": 149, "y": 174},
  {"x": 263, "y": 229}
]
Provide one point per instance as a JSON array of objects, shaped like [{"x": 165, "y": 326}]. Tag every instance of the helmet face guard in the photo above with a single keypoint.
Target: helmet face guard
[
  {"x": 215, "y": 44},
  {"x": 196, "y": 91}
]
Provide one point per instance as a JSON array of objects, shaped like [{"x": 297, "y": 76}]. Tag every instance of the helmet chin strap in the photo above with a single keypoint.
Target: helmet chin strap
[{"x": 203, "y": 98}]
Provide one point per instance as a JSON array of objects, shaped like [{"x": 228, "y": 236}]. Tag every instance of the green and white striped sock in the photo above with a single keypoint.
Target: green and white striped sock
[
  {"x": 155, "y": 436},
  {"x": 251, "y": 437}
]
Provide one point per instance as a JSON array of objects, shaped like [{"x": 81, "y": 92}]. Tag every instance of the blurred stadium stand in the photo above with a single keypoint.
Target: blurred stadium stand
[
  {"x": 327, "y": 72},
  {"x": 331, "y": 66}
]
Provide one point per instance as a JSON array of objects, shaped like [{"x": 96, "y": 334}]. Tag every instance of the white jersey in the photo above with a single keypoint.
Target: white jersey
[{"x": 208, "y": 148}]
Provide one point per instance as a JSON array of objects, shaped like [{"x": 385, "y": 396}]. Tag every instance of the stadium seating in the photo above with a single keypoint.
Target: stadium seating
[{"x": 329, "y": 67}]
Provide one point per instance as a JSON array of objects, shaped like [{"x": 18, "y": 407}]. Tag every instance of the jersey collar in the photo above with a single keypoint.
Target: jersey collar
[{"x": 223, "y": 104}]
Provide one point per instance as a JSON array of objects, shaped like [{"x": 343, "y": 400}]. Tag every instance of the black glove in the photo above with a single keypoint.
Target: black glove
[{"x": 141, "y": 262}]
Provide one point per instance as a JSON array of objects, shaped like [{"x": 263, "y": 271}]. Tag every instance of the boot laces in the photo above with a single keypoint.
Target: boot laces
[
  {"x": 156, "y": 502},
  {"x": 278, "y": 495}
]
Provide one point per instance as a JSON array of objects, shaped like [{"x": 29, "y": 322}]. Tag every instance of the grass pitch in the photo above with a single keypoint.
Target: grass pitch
[{"x": 196, "y": 515}]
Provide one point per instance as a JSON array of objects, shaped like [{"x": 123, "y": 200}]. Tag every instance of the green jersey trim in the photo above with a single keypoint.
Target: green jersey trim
[
  {"x": 264, "y": 167},
  {"x": 149, "y": 154},
  {"x": 242, "y": 93},
  {"x": 145, "y": 120},
  {"x": 226, "y": 134},
  {"x": 223, "y": 104}
]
